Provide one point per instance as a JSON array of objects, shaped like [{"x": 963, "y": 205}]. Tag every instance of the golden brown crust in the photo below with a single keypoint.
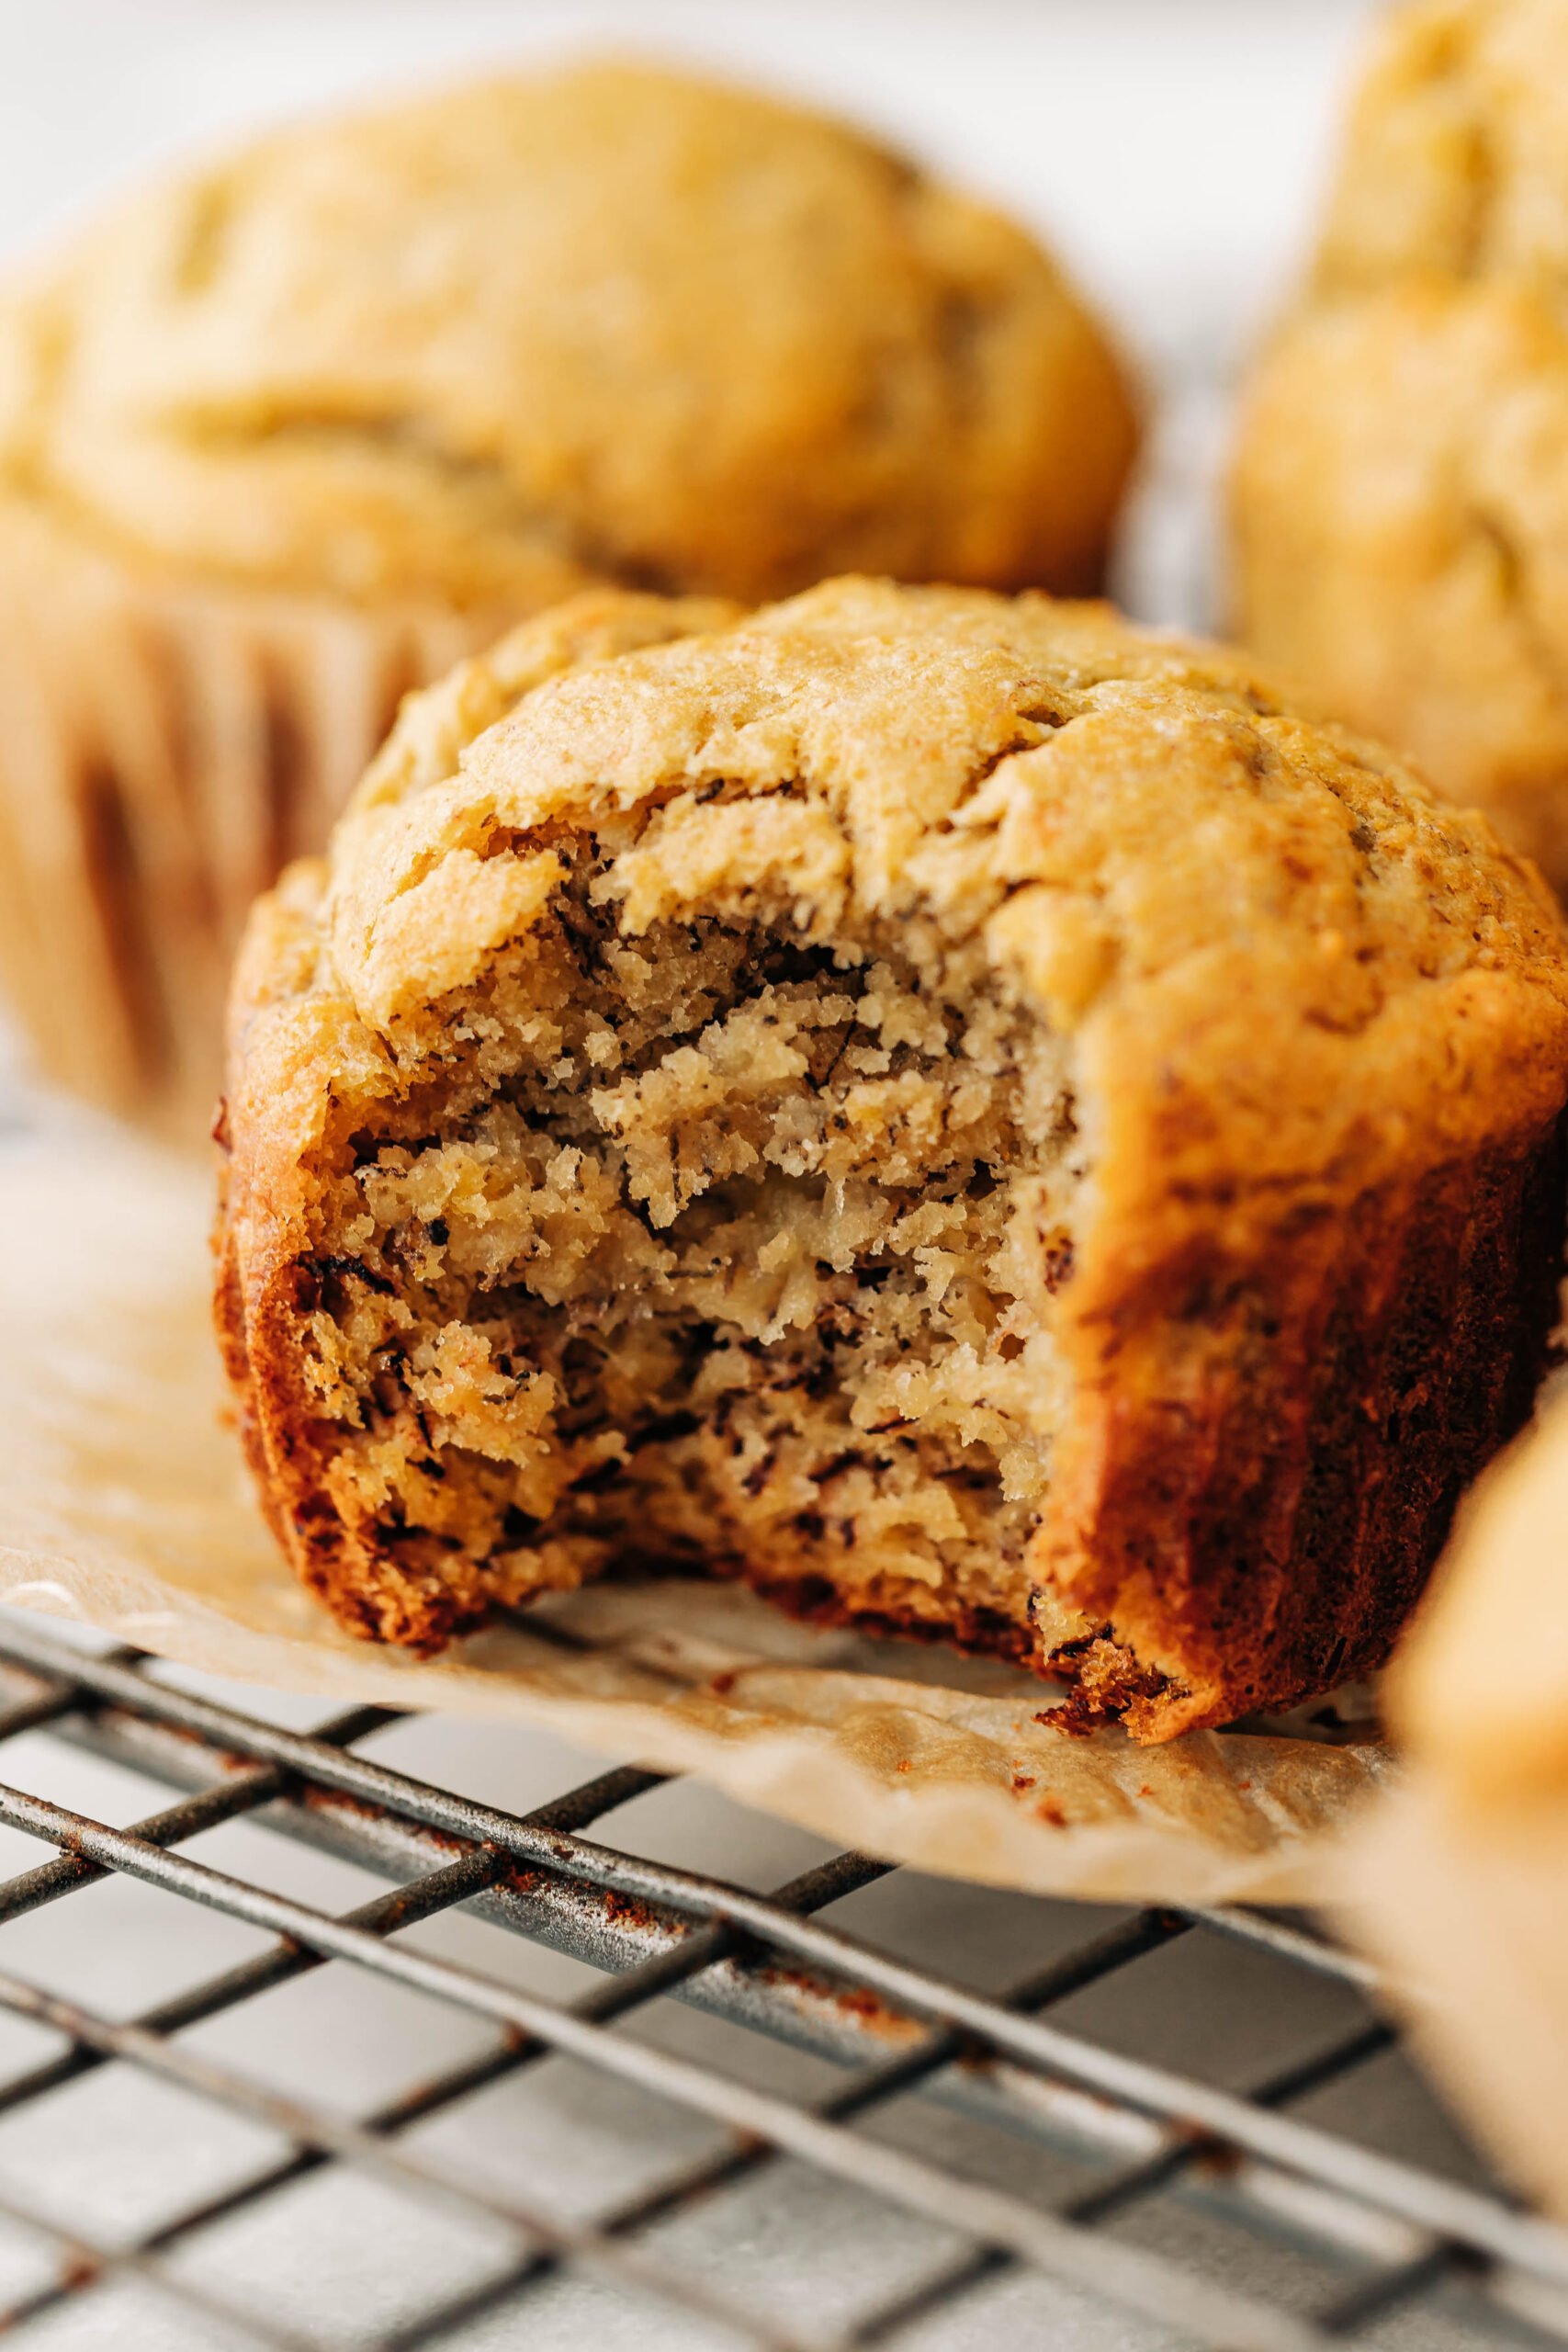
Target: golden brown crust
[
  {"x": 1316, "y": 1027},
  {"x": 611, "y": 322},
  {"x": 1401, "y": 484},
  {"x": 1257, "y": 1484},
  {"x": 283, "y": 436}
]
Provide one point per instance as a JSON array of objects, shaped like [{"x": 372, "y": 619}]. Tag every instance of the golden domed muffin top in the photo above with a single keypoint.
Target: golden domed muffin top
[
  {"x": 1273, "y": 949},
  {"x": 1400, "y": 484},
  {"x": 1456, "y": 158},
  {"x": 606, "y": 323}
]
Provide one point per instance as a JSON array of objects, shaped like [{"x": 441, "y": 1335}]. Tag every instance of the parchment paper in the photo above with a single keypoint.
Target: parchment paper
[{"x": 124, "y": 1505}]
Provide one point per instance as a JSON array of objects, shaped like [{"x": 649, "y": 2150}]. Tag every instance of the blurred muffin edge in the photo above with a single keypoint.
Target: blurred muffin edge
[
  {"x": 283, "y": 437},
  {"x": 1399, "y": 490}
]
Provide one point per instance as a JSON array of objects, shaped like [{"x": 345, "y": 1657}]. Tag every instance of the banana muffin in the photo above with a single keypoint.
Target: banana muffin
[
  {"x": 1479, "y": 1691},
  {"x": 1400, "y": 488},
  {"x": 289, "y": 434},
  {"x": 979, "y": 1121}
]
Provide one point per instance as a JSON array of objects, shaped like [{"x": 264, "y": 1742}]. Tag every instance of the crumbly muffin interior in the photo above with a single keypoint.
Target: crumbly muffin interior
[
  {"x": 956, "y": 1112},
  {"x": 713, "y": 1240}
]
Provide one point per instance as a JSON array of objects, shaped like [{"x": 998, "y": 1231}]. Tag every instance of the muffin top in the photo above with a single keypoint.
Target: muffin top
[
  {"x": 608, "y": 323},
  {"x": 1276, "y": 958},
  {"x": 1456, "y": 160},
  {"x": 1400, "y": 491}
]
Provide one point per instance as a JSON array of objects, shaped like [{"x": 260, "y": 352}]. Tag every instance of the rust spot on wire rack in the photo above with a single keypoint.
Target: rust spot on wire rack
[{"x": 338, "y": 1804}]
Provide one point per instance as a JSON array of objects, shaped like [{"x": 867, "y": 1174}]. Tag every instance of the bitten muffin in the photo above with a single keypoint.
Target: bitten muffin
[
  {"x": 1400, "y": 488},
  {"x": 288, "y": 435},
  {"x": 977, "y": 1121}
]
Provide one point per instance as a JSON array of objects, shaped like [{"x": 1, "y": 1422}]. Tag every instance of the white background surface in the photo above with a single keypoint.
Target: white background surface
[{"x": 1173, "y": 150}]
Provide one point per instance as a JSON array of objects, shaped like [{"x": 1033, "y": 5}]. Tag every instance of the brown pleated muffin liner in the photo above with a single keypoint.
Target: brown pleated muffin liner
[{"x": 164, "y": 750}]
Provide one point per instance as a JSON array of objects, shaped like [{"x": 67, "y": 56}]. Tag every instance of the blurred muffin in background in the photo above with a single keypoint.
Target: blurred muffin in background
[
  {"x": 1401, "y": 487},
  {"x": 282, "y": 439}
]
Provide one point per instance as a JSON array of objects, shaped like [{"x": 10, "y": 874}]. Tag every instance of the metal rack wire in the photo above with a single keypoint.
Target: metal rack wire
[{"x": 1383, "y": 2236}]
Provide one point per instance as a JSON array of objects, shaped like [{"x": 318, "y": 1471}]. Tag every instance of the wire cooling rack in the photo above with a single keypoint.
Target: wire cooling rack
[{"x": 1062, "y": 2140}]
